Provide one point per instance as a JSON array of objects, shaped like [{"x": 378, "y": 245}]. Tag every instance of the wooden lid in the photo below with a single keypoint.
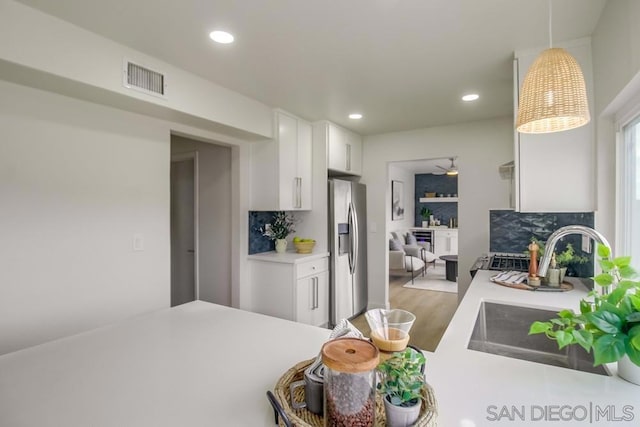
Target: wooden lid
[{"x": 350, "y": 355}]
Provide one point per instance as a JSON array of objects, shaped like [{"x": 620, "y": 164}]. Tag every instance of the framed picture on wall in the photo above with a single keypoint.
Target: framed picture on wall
[{"x": 397, "y": 200}]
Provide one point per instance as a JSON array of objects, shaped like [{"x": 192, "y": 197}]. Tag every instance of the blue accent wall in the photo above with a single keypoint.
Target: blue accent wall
[
  {"x": 257, "y": 242},
  {"x": 511, "y": 231},
  {"x": 441, "y": 184}
]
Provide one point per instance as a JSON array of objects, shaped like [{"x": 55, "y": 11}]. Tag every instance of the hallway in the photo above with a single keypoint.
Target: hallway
[{"x": 433, "y": 311}]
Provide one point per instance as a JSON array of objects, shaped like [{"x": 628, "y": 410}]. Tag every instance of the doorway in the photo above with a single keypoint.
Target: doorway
[
  {"x": 431, "y": 211},
  {"x": 213, "y": 231},
  {"x": 184, "y": 228}
]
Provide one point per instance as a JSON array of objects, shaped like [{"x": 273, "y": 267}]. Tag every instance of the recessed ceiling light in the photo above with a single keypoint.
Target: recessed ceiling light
[
  {"x": 355, "y": 116},
  {"x": 221, "y": 37},
  {"x": 470, "y": 97}
]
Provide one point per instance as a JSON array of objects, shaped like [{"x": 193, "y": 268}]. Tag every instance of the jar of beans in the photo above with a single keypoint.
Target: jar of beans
[{"x": 349, "y": 382}]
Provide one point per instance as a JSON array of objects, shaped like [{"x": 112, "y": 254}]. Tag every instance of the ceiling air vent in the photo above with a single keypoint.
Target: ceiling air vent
[{"x": 143, "y": 79}]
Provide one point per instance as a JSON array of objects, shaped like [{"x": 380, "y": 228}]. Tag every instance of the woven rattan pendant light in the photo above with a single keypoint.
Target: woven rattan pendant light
[{"x": 553, "y": 97}]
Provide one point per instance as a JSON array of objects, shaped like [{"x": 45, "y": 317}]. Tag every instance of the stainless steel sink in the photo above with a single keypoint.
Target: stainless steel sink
[{"x": 503, "y": 329}]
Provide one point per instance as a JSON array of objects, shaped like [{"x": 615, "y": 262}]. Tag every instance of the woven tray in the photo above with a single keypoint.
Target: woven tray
[{"x": 304, "y": 418}]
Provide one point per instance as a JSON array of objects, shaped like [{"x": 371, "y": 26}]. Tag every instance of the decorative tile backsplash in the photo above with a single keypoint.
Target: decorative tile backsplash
[
  {"x": 442, "y": 184},
  {"x": 257, "y": 242},
  {"x": 511, "y": 231}
]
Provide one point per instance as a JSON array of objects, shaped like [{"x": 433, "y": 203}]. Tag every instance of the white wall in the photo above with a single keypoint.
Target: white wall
[
  {"x": 77, "y": 181},
  {"x": 396, "y": 173},
  {"x": 480, "y": 147},
  {"x": 214, "y": 194},
  {"x": 616, "y": 66}
]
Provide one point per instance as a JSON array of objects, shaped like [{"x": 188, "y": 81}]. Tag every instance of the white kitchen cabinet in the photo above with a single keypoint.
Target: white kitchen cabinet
[
  {"x": 297, "y": 291},
  {"x": 445, "y": 242},
  {"x": 344, "y": 148},
  {"x": 281, "y": 169},
  {"x": 312, "y": 299},
  {"x": 554, "y": 172}
]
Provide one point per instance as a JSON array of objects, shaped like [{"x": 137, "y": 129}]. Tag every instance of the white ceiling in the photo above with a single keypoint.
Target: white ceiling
[{"x": 403, "y": 63}]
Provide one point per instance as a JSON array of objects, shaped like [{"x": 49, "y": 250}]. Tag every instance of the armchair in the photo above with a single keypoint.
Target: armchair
[
  {"x": 420, "y": 250},
  {"x": 401, "y": 261}
]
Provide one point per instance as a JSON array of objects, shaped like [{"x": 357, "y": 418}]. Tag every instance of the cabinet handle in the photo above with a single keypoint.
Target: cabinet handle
[
  {"x": 348, "y": 147},
  {"x": 314, "y": 282},
  {"x": 297, "y": 197}
]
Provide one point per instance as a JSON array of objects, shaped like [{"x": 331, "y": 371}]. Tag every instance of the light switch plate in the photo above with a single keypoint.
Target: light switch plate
[
  {"x": 586, "y": 244},
  {"x": 138, "y": 242}
]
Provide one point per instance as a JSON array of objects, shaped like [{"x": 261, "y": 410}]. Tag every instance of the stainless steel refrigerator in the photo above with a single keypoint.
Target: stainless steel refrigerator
[{"x": 348, "y": 249}]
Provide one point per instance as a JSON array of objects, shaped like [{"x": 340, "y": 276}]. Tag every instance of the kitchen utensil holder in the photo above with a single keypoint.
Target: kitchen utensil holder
[{"x": 286, "y": 416}]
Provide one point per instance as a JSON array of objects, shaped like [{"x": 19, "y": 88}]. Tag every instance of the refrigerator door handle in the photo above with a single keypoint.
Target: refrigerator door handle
[{"x": 353, "y": 236}]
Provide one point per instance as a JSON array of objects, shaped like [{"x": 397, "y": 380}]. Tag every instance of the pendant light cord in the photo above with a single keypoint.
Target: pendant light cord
[{"x": 550, "y": 21}]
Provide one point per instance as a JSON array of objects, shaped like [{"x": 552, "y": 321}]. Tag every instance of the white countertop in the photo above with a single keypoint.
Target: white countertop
[
  {"x": 288, "y": 257},
  {"x": 468, "y": 382},
  {"x": 201, "y": 364},
  {"x": 198, "y": 364}
]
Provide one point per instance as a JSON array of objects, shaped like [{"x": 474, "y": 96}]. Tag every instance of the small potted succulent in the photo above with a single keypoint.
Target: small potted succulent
[
  {"x": 280, "y": 227},
  {"x": 607, "y": 324},
  {"x": 401, "y": 385},
  {"x": 567, "y": 258}
]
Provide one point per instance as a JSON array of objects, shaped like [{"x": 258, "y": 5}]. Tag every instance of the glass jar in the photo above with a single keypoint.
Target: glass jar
[{"x": 349, "y": 382}]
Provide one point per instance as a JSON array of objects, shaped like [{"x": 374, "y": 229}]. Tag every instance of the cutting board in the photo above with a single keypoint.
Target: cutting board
[{"x": 564, "y": 286}]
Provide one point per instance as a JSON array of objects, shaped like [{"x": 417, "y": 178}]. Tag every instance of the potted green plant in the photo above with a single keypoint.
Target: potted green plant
[
  {"x": 564, "y": 259},
  {"x": 425, "y": 213},
  {"x": 282, "y": 224},
  {"x": 608, "y": 325},
  {"x": 401, "y": 386},
  {"x": 567, "y": 258}
]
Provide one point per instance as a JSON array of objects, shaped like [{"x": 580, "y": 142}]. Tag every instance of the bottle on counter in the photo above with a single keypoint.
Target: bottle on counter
[{"x": 553, "y": 273}]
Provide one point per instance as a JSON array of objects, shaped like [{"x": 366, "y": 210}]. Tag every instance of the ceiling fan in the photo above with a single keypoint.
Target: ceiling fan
[{"x": 451, "y": 170}]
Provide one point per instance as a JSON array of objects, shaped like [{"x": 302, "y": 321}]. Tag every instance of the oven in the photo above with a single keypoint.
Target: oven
[{"x": 501, "y": 262}]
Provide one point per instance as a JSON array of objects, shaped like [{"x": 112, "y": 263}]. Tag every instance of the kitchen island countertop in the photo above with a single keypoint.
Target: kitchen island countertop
[
  {"x": 198, "y": 364},
  {"x": 481, "y": 389},
  {"x": 202, "y": 364}
]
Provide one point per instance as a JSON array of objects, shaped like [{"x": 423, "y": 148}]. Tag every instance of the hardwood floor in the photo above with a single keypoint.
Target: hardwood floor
[{"x": 433, "y": 311}]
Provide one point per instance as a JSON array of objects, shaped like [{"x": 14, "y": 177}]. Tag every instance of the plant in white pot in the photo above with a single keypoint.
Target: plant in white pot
[
  {"x": 282, "y": 224},
  {"x": 401, "y": 385},
  {"x": 425, "y": 214},
  {"x": 607, "y": 324}
]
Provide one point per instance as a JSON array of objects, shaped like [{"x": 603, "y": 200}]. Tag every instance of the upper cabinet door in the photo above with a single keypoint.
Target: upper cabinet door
[
  {"x": 337, "y": 149},
  {"x": 304, "y": 165},
  {"x": 287, "y": 161},
  {"x": 281, "y": 168},
  {"x": 345, "y": 151},
  {"x": 555, "y": 172}
]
